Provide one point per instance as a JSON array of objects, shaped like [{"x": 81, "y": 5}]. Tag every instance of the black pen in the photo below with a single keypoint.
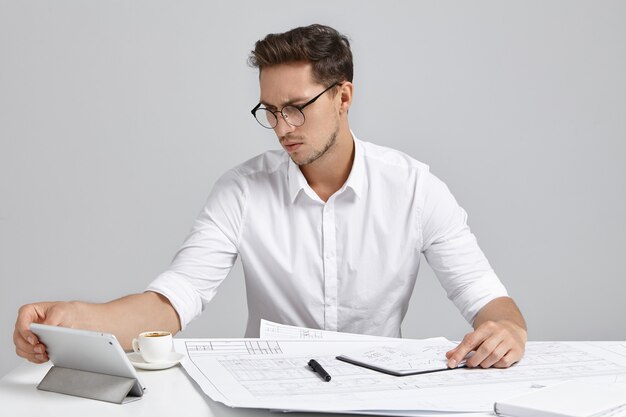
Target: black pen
[{"x": 318, "y": 368}]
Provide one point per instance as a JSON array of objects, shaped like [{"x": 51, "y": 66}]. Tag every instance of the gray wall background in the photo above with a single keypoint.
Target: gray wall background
[{"x": 116, "y": 117}]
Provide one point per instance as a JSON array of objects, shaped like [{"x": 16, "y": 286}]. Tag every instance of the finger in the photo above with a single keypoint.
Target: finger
[
  {"x": 28, "y": 351},
  {"x": 25, "y": 346},
  {"x": 32, "y": 357},
  {"x": 486, "y": 348},
  {"x": 27, "y": 314},
  {"x": 21, "y": 343},
  {"x": 511, "y": 358},
  {"x": 469, "y": 343},
  {"x": 451, "y": 352},
  {"x": 495, "y": 355}
]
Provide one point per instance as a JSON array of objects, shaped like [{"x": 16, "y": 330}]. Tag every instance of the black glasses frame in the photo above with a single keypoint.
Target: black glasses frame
[{"x": 285, "y": 118}]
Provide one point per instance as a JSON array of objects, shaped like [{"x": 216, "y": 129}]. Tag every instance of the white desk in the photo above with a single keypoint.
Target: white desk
[{"x": 169, "y": 393}]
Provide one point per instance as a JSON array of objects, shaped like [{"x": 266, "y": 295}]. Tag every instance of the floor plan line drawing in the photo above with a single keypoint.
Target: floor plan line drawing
[
  {"x": 236, "y": 347},
  {"x": 263, "y": 376},
  {"x": 289, "y": 333}
]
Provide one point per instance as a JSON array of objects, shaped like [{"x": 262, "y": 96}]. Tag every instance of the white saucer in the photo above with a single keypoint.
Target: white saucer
[{"x": 138, "y": 362}]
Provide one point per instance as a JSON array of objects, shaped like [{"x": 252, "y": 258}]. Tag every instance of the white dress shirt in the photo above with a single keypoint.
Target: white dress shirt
[{"x": 348, "y": 264}]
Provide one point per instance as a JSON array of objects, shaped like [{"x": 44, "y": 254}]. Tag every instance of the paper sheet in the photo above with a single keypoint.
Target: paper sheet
[
  {"x": 273, "y": 374},
  {"x": 276, "y": 331},
  {"x": 419, "y": 356}
]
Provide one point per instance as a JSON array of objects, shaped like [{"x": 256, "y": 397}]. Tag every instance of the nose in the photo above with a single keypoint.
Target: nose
[{"x": 282, "y": 127}]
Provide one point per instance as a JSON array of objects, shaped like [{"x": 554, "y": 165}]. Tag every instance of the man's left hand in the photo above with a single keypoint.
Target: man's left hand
[
  {"x": 498, "y": 340},
  {"x": 495, "y": 343}
]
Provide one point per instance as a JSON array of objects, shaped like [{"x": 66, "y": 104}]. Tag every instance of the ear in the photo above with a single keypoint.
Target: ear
[{"x": 345, "y": 96}]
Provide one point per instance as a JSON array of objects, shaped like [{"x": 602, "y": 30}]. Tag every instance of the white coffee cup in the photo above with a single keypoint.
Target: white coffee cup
[{"x": 154, "y": 346}]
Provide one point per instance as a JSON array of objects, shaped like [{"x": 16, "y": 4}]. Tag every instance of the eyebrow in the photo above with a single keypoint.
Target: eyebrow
[{"x": 286, "y": 103}]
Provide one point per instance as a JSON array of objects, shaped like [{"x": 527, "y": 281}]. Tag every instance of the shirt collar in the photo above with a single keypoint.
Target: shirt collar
[
  {"x": 297, "y": 181},
  {"x": 355, "y": 181}
]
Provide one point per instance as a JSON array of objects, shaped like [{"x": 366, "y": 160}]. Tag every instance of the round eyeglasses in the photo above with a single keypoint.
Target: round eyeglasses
[{"x": 292, "y": 113}]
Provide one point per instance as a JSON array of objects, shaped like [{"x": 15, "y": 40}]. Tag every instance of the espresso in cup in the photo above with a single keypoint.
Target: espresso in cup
[
  {"x": 153, "y": 346},
  {"x": 156, "y": 334}
]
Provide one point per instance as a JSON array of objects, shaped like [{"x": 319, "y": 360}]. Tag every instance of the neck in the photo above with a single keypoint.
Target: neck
[{"x": 329, "y": 173}]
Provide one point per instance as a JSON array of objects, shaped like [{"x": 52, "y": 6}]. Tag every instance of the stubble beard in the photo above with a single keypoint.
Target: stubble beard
[{"x": 332, "y": 139}]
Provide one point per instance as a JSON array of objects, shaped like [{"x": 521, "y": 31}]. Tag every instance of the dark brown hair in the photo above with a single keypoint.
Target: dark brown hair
[{"x": 326, "y": 49}]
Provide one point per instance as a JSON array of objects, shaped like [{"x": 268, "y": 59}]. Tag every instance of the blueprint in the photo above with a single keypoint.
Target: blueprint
[{"x": 273, "y": 374}]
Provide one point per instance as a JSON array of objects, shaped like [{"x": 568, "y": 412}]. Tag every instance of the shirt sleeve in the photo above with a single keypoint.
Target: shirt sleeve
[
  {"x": 208, "y": 253},
  {"x": 453, "y": 253}
]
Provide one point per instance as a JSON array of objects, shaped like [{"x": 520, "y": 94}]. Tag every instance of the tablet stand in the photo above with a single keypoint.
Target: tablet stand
[{"x": 109, "y": 388}]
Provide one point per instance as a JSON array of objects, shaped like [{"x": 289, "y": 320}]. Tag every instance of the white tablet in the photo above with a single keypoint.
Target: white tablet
[{"x": 87, "y": 351}]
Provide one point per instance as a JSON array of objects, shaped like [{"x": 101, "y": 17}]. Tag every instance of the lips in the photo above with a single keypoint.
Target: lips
[{"x": 291, "y": 146}]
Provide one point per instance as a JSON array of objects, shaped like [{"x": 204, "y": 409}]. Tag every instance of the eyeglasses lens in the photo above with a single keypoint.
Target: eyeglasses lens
[
  {"x": 291, "y": 114},
  {"x": 266, "y": 118}
]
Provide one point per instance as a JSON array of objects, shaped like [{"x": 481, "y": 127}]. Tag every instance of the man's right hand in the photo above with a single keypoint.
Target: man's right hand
[
  {"x": 27, "y": 344},
  {"x": 125, "y": 317}
]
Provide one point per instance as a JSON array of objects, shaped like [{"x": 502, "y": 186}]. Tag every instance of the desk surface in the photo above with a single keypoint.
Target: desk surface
[{"x": 169, "y": 392}]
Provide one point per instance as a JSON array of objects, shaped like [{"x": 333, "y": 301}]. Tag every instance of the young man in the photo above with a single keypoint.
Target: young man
[{"x": 329, "y": 230}]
